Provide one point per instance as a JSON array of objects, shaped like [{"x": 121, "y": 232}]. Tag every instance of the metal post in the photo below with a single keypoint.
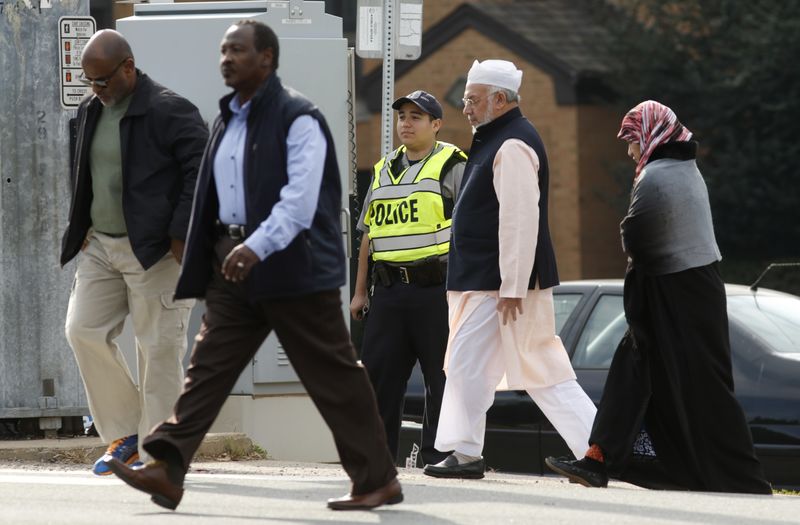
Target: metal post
[
  {"x": 38, "y": 374},
  {"x": 387, "y": 85}
]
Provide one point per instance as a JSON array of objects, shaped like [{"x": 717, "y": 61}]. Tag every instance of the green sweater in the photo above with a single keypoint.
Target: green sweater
[{"x": 105, "y": 165}]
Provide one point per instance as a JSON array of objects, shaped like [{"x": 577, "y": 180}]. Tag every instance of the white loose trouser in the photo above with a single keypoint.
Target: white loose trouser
[
  {"x": 475, "y": 368},
  {"x": 110, "y": 283}
]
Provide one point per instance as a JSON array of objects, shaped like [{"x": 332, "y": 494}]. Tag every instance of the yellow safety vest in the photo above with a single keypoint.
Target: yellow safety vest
[{"x": 406, "y": 214}]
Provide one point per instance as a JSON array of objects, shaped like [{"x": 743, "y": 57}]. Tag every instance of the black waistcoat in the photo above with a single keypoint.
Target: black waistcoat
[
  {"x": 314, "y": 261},
  {"x": 474, "y": 244}
]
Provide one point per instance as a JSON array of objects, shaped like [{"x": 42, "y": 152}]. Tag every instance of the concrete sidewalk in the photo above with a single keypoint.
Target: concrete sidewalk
[
  {"x": 229, "y": 492},
  {"x": 86, "y": 450},
  {"x": 281, "y": 493}
]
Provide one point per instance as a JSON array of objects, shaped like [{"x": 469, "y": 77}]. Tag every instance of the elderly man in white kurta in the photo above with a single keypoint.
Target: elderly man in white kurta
[{"x": 501, "y": 272}]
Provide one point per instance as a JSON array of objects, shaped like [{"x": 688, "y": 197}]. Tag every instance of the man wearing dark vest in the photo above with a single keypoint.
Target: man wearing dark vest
[
  {"x": 406, "y": 226},
  {"x": 266, "y": 252},
  {"x": 501, "y": 272}
]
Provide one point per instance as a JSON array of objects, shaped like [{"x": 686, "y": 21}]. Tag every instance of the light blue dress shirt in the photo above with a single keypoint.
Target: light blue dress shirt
[{"x": 305, "y": 149}]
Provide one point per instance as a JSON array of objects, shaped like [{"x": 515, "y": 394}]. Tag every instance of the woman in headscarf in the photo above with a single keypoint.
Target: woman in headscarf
[{"x": 668, "y": 417}]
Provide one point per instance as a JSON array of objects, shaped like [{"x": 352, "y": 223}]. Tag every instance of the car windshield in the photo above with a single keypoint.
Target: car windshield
[
  {"x": 564, "y": 304},
  {"x": 774, "y": 319},
  {"x": 601, "y": 335}
]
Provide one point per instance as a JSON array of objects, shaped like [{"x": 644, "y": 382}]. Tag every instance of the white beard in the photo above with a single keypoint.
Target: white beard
[{"x": 487, "y": 117}]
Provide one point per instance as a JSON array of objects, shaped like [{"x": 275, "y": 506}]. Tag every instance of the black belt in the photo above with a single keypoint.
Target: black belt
[
  {"x": 234, "y": 231},
  {"x": 427, "y": 273}
]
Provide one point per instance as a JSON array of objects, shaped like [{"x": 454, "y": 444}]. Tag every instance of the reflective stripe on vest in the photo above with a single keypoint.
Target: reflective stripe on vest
[
  {"x": 406, "y": 216},
  {"x": 412, "y": 242}
]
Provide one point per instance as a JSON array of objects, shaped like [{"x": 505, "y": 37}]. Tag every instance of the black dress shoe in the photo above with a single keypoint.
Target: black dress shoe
[
  {"x": 153, "y": 479},
  {"x": 452, "y": 469},
  {"x": 389, "y": 494},
  {"x": 586, "y": 471}
]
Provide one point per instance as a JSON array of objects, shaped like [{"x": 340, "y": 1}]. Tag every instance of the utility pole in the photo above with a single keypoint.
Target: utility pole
[
  {"x": 391, "y": 30},
  {"x": 387, "y": 83},
  {"x": 38, "y": 375}
]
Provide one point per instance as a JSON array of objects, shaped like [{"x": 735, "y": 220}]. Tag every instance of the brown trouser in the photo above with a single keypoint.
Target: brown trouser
[{"x": 312, "y": 331}]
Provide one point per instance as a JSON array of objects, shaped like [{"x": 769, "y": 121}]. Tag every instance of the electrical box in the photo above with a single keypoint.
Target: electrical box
[{"x": 178, "y": 45}]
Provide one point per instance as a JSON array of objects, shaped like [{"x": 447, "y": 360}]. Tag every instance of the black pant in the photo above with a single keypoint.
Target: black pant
[
  {"x": 314, "y": 336},
  {"x": 407, "y": 323}
]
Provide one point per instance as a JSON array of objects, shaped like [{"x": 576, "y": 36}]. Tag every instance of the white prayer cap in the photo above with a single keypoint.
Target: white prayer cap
[{"x": 500, "y": 73}]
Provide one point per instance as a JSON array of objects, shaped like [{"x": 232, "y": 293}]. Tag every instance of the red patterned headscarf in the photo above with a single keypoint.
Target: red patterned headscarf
[{"x": 651, "y": 124}]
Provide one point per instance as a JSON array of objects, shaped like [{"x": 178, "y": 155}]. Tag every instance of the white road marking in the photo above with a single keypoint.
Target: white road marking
[
  {"x": 81, "y": 478},
  {"x": 56, "y": 478}
]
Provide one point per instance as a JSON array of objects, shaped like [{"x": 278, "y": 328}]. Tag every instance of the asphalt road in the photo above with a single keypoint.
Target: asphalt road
[{"x": 252, "y": 492}]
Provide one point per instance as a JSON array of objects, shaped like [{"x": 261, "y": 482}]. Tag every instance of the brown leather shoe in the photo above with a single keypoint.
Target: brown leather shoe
[
  {"x": 152, "y": 478},
  {"x": 389, "y": 494}
]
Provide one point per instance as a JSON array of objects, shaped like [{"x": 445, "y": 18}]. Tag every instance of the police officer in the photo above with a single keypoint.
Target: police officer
[{"x": 406, "y": 230}]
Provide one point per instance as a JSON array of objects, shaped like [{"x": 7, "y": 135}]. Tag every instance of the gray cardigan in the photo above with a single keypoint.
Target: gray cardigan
[{"x": 668, "y": 227}]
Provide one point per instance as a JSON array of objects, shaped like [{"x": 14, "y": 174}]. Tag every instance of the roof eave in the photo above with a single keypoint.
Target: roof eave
[{"x": 571, "y": 86}]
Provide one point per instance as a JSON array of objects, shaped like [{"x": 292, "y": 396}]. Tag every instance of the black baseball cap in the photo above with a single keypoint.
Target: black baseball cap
[{"x": 423, "y": 100}]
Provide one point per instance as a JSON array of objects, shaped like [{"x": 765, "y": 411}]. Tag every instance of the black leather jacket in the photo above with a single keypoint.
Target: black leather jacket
[{"x": 162, "y": 137}]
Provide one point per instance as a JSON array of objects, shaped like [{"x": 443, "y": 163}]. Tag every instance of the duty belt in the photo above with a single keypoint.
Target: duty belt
[
  {"x": 428, "y": 272},
  {"x": 234, "y": 231}
]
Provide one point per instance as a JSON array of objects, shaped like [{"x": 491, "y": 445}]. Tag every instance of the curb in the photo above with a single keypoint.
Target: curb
[{"x": 83, "y": 450}]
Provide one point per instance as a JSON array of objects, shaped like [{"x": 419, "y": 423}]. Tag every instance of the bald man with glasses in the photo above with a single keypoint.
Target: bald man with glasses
[
  {"x": 135, "y": 164},
  {"x": 101, "y": 82}
]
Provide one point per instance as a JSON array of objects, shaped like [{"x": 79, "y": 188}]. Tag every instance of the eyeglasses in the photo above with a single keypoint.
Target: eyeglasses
[
  {"x": 101, "y": 82},
  {"x": 473, "y": 101}
]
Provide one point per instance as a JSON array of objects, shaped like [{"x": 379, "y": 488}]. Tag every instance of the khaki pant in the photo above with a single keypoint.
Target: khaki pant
[{"x": 109, "y": 284}]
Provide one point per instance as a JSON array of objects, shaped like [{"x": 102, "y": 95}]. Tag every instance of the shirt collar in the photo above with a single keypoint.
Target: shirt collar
[{"x": 240, "y": 111}]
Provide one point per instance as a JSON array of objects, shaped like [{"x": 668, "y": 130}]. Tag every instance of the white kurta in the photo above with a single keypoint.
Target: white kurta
[
  {"x": 526, "y": 354},
  {"x": 533, "y": 354}
]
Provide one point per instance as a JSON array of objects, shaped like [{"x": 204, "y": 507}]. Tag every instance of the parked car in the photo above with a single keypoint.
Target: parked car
[{"x": 765, "y": 346}]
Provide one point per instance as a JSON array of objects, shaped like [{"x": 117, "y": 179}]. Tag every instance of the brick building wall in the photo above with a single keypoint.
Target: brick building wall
[{"x": 606, "y": 175}]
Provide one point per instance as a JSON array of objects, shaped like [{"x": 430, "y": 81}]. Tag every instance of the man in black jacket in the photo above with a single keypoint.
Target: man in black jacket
[
  {"x": 138, "y": 150},
  {"x": 265, "y": 250}
]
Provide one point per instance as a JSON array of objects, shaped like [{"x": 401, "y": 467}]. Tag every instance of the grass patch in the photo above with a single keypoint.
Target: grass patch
[
  {"x": 74, "y": 456},
  {"x": 233, "y": 451},
  {"x": 786, "y": 492}
]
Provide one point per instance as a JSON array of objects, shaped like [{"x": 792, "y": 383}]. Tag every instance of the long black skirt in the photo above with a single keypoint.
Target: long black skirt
[{"x": 671, "y": 376}]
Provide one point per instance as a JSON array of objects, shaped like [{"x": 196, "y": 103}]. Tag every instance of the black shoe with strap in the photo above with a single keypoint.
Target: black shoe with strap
[{"x": 586, "y": 471}]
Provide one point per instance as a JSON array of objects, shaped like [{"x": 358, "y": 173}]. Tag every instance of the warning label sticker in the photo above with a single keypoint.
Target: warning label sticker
[{"x": 73, "y": 34}]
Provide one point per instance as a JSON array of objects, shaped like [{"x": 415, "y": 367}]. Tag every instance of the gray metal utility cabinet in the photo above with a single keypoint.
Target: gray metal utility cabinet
[{"x": 178, "y": 45}]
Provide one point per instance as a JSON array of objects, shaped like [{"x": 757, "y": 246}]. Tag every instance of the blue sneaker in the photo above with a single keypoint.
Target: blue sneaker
[{"x": 125, "y": 449}]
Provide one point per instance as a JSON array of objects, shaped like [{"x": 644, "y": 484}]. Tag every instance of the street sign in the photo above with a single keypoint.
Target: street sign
[
  {"x": 73, "y": 34},
  {"x": 388, "y": 29},
  {"x": 408, "y": 29}
]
